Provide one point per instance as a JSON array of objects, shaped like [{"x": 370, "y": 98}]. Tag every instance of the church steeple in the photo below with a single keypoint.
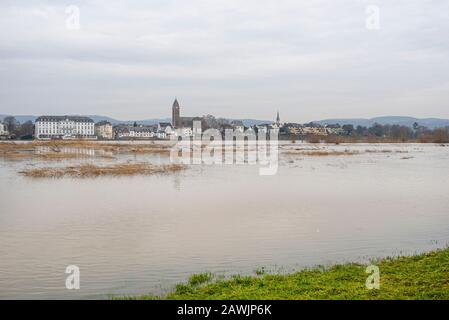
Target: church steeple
[
  {"x": 278, "y": 118},
  {"x": 175, "y": 113}
]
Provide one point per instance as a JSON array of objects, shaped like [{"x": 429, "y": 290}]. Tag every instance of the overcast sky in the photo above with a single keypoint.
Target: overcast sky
[{"x": 309, "y": 59}]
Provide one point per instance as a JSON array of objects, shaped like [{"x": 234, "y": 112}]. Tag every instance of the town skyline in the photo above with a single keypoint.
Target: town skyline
[
  {"x": 98, "y": 127},
  {"x": 160, "y": 115},
  {"x": 151, "y": 119}
]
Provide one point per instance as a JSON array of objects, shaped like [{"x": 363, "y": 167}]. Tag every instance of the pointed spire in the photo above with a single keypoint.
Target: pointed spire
[
  {"x": 176, "y": 103},
  {"x": 278, "y": 118}
]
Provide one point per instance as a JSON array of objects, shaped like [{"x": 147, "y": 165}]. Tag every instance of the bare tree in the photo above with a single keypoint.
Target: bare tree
[
  {"x": 10, "y": 124},
  {"x": 25, "y": 130},
  {"x": 440, "y": 136}
]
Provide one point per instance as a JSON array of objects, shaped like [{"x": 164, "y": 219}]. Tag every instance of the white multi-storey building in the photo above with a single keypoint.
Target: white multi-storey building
[
  {"x": 3, "y": 131},
  {"x": 47, "y": 127}
]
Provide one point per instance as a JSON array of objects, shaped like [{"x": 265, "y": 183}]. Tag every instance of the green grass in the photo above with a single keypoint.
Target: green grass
[
  {"x": 198, "y": 279},
  {"x": 424, "y": 276}
]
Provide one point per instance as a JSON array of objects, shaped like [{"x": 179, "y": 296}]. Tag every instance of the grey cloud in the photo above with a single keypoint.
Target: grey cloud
[{"x": 311, "y": 59}]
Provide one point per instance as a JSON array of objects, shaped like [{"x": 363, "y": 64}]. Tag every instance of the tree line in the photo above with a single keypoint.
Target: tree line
[
  {"x": 18, "y": 130},
  {"x": 396, "y": 132}
]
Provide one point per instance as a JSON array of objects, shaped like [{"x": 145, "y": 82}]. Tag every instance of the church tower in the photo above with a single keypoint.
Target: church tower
[
  {"x": 175, "y": 114},
  {"x": 278, "y": 118}
]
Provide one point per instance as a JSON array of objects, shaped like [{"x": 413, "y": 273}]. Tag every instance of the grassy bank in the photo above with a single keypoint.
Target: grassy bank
[{"x": 423, "y": 276}]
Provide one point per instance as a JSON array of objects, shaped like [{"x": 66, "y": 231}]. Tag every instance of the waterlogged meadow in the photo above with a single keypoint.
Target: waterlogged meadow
[{"x": 135, "y": 223}]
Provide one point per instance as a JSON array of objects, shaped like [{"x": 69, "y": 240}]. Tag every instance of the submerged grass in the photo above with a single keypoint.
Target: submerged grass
[
  {"x": 385, "y": 151},
  {"x": 90, "y": 170},
  {"x": 322, "y": 153},
  {"x": 54, "y": 150},
  {"x": 346, "y": 152},
  {"x": 424, "y": 276},
  {"x": 49, "y": 156}
]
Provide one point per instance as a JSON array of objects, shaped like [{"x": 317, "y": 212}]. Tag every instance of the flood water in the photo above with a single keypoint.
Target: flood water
[{"x": 144, "y": 234}]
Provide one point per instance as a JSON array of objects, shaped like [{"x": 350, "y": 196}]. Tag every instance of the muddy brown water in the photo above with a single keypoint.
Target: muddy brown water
[{"x": 135, "y": 235}]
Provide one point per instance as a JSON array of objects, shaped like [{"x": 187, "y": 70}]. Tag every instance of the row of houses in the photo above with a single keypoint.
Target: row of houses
[
  {"x": 162, "y": 130},
  {"x": 77, "y": 127},
  {"x": 66, "y": 127},
  {"x": 72, "y": 127},
  {"x": 297, "y": 129}
]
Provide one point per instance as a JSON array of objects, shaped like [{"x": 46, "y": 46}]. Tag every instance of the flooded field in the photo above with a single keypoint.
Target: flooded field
[{"x": 145, "y": 233}]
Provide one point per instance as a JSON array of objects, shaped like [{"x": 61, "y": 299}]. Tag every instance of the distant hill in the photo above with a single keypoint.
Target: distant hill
[
  {"x": 20, "y": 119},
  {"x": 98, "y": 118},
  {"x": 431, "y": 123},
  {"x": 251, "y": 122}
]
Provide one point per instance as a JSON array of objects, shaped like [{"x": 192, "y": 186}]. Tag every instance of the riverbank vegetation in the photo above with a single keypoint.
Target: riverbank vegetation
[
  {"x": 382, "y": 134},
  {"x": 423, "y": 276},
  {"x": 90, "y": 170}
]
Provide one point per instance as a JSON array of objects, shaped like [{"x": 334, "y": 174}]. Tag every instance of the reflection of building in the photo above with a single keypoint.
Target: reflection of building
[
  {"x": 103, "y": 130},
  {"x": 181, "y": 122},
  {"x": 47, "y": 127}
]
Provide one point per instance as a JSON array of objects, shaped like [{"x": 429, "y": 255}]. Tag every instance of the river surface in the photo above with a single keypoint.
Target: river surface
[{"x": 144, "y": 234}]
